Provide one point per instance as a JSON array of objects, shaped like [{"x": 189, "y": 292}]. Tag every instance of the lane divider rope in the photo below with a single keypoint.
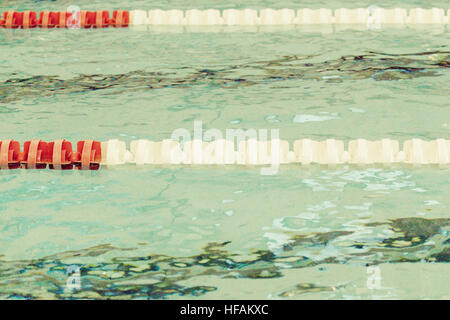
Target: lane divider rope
[
  {"x": 64, "y": 19},
  {"x": 123, "y": 18},
  {"x": 90, "y": 154}
]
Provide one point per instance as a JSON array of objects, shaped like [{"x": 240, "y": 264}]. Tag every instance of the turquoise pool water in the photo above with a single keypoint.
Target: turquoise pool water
[{"x": 210, "y": 232}]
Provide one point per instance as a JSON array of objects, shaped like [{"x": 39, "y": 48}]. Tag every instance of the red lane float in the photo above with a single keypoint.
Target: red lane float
[
  {"x": 64, "y": 19},
  {"x": 58, "y": 155},
  {"x": 47, "y": 19},
  {"x": 121, "y": 18},
  {"x": 97, "y": 19},
  {"x": 29, "y": 19},
  {"x": 9, "y": 154},
  {"x": 88, "y": 155},
  {"x": 50, "y": 19},
  {"x": 34, "y": 155},
  {"x": 14, "y": 20},
  {"x": 10, "y": 19},
  {"x": 101, "y": 19}
]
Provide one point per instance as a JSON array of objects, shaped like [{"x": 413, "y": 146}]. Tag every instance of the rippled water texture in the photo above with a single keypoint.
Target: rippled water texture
[{"x": 174, "y": 232}]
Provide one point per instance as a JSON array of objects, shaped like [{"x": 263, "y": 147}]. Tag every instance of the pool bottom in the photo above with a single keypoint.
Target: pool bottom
[
  {"x": 377, "y": 270},
  {"x": 151, "y": 233}
]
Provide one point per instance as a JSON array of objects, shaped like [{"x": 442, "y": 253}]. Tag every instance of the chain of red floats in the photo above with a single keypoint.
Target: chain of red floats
[
  {"x": 37, "y": 154},
  {"x": 64, "y": 19}
]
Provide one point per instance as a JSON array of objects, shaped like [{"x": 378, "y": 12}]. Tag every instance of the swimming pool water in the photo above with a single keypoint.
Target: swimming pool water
[{"x": 225, "y": 231}]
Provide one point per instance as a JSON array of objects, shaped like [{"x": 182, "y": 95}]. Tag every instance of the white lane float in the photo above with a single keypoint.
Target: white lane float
[{"x": 286, "y": 16}]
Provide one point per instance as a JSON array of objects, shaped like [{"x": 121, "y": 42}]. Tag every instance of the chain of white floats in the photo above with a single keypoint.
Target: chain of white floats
[
  {"x": 254, "y": 152},
  {"x": 249, "y": 17}
]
